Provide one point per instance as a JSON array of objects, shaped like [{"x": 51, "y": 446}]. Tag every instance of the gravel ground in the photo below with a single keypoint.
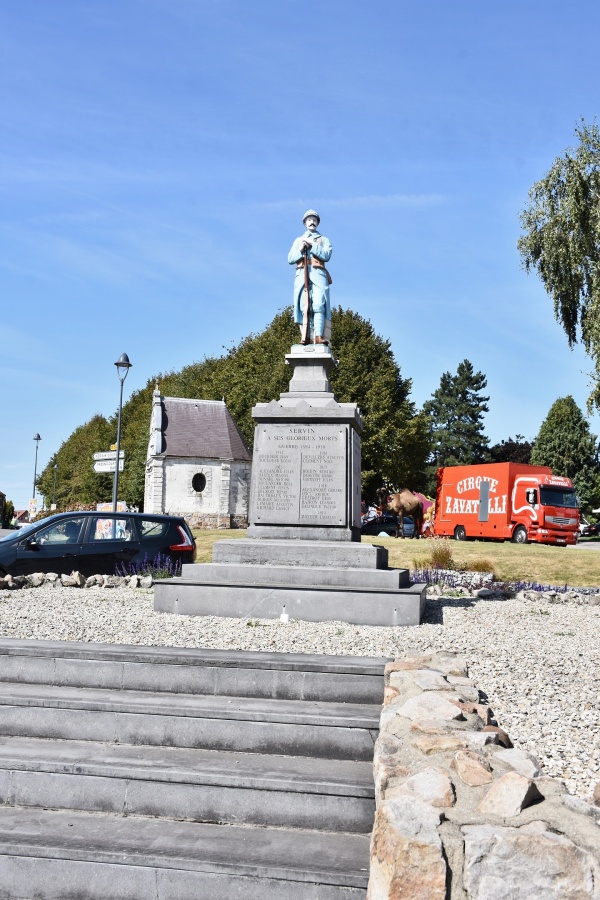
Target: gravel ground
[{"x": 538, "y": 663}]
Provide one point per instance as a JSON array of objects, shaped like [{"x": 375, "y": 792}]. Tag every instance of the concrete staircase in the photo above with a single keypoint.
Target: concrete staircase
[{"x": 173, "y": 774}]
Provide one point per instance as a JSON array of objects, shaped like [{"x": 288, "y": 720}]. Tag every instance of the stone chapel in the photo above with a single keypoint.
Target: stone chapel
[{"x": 198, "y": 464}]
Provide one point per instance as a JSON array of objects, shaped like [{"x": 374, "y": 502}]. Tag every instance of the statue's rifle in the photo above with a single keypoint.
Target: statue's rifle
[{"x": 305, "y": 330}]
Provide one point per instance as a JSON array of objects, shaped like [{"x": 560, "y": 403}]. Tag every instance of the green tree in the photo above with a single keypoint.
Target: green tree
[
  {"x": 8, "y": 513},
  {"x": 517, "y": 450},
  {"x": 456, "y": 415},
  {"x": 565, "y": 443},
  {"x": 561, "y": 241},
  {"x": 395, "y": 441},
  {"x": 76, "y": 482}
]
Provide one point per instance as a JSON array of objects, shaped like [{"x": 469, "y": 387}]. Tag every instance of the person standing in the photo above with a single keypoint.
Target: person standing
[{"x": 312, "y": 249}]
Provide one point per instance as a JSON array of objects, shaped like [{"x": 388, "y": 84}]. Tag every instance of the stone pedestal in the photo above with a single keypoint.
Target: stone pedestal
[
  {"x": 302, "y": 555},
  {"x": 306, "y": 462}
]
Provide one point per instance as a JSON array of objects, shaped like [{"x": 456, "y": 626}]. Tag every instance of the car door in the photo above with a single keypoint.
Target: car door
[
  {"x": 110, "y": 541},
  {"x": 55, "y": 548}
]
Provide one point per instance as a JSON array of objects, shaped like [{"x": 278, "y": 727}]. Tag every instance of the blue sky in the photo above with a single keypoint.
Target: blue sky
[{"x": 156, "y": 157}]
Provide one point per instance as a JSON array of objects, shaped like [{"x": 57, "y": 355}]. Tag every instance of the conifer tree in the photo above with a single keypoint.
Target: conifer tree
[
  {"x": 456, "y": 413},
  {"x": 565, "y": 443}
]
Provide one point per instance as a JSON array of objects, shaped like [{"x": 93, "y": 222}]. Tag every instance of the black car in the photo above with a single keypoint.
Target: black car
[
  {"x": 388, "y": 523},
  {"x": 95, "y": 543}
]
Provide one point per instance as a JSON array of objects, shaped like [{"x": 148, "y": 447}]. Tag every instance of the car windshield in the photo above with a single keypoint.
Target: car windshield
[
  {"x": 19, "y": 532},
  {"x": 556, "y": 496}
]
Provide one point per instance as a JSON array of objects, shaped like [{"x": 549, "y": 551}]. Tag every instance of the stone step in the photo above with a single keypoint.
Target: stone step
[
  {"x": 294, "y": 552},
  {"x": 58, "y": 855},
  {"x": 296, "y": 576},
  {"x": 286, "y": 676},
  {"x": 197, "y": 785},
  {"x": 246, "y": 724},
  {"x": 269, "y": 599}
]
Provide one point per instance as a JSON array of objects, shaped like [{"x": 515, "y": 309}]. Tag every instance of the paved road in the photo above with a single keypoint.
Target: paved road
[{"x": 587, "y": 545}]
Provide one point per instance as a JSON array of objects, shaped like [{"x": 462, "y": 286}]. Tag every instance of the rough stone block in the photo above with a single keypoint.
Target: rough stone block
[
  {"x": 502, "y": 736},
  {"x": 522, "y": 762},
  {"x": 36, "y": 579},
  {"x": 68, "y": 581},
  {"x": 530, "y": 862},
  {"x": 429, "y": 706},
  {"x": 509, "y": 795},
  {"x": 406, "y": 852},
  {"x": 441, "y": 743},
  {"x": 432, "y": 785},
  {"x": 472, "y": 768}
]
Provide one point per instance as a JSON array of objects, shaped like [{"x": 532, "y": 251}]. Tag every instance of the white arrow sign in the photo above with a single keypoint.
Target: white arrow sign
[
  {"x": 109, "y": 454},
  {"x": 108, "y": 465}
]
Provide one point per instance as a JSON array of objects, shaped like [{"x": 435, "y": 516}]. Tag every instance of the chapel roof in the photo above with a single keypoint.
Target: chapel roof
[{"x": 201, "y": 428}]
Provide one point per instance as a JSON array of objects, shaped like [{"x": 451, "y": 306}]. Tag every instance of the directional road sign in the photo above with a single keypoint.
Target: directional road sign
[
  {"x": 108, "y": 465},
  {"x": 109, "y": 454}
]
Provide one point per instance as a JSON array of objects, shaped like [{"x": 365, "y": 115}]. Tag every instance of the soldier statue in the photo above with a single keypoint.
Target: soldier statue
[{"x": 312, "y": 308}]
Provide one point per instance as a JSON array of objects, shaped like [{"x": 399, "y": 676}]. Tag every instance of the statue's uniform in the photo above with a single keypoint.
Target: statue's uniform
[{"x": 320, "y": 320}]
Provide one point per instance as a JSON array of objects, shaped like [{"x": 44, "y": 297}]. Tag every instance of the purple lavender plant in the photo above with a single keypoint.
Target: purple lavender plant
[{"x": 162, "y": 566}]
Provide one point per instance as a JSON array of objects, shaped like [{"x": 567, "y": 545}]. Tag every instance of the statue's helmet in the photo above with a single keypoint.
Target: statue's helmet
[{"x": 311, "y": 212}]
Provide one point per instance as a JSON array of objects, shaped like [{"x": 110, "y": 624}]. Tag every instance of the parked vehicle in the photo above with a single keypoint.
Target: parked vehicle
[
  {"x": 94, "y": 543},
  {"x": 506, "y": 501},
  {"x": 390, "y": 524},
  {"x": 586, "y": 529}
]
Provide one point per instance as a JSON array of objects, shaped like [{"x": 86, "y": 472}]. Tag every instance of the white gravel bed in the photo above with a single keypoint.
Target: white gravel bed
[{"x": 539, "y": 663}]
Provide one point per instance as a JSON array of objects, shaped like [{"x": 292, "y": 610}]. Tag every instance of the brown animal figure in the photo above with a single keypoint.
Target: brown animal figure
[{"x": 406, "y": 504}]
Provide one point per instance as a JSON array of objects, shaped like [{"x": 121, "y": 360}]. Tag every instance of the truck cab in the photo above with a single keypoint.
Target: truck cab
[{"x": 545, "y": 510}]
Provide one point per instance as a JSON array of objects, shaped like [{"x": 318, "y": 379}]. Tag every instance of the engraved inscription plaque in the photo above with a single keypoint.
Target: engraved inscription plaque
[{"x": 299, "y": 475}]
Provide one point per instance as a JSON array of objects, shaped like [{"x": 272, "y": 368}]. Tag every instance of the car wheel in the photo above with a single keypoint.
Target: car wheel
[
  {"x": 459, "y": 533},
  {"x": 519, "y": 535}
]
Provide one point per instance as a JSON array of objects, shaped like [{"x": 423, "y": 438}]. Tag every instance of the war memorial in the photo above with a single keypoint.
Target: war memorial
[{"x": 303, "y": 555}]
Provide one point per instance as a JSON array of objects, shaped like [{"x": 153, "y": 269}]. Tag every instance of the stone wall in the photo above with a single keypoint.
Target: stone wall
[
  {"x": 212, "y": 520},
  {"x": 222, "y": 502},
  {"x": 462, "y": 814}
]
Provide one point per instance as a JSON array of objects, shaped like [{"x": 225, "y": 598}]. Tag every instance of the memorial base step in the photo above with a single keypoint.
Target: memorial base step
[
  {"x": 297, "y": 576},
  {"x": 297, "y": 552},
  {"x": 270, "y": 600}
]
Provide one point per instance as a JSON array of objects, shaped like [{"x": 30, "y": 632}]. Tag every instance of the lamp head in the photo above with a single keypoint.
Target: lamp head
[{"x": 123, "y": 366}]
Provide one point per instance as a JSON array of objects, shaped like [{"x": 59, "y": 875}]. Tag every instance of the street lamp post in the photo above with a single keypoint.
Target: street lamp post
[
  {"x": 54, "y": 488},
  {"x": 37, "y": 440},
  {"x": 123, "y": 366}
]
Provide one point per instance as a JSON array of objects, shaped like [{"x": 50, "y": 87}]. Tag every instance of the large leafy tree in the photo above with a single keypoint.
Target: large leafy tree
[
  {"x": 566, "y": 444},
  {"x": 76, "y": 482},
  {"x": 561, "y": 241},
  {"x": 456, "y": 412},
  {"x": 395, "y": 441}
]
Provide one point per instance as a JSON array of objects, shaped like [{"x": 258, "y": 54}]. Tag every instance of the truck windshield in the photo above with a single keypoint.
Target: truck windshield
[{"x": 557, "y": 496}]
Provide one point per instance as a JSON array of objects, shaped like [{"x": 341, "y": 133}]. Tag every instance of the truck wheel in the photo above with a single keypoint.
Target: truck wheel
[
  {"x": 459, "y": 533},
  {"x": 519, "y": 535}
]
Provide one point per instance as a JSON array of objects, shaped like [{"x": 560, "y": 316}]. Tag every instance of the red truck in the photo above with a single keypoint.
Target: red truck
[{"x": 506, "y": 502}]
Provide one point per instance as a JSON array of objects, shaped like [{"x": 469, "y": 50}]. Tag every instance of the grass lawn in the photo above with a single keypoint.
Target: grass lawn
[
  {"x": 512, "y": 562},
  {"x": 206, "y": 537}
]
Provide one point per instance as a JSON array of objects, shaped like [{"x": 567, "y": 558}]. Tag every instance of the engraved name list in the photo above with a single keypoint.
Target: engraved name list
[{"x": 299, "y": 475}]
